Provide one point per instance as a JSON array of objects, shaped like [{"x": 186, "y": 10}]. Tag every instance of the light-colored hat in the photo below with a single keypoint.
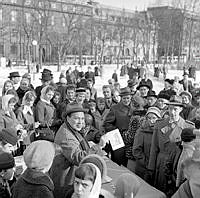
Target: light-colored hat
[
  {"x": 39, "y": 155},
  {"x": 187, "y": 94},
  {"x": 155, "y": 111}
]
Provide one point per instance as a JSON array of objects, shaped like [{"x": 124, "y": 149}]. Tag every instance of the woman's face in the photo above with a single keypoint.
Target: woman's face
[
  {"x": 8, "y": 86},
  {"x": 56, "y": 99},
  {"x": 30, "y": 102},
  {"x": 151, "y": 118},
  {"x": 185, "y": 99},
  {"x": 24, "y": 84},
  {"x": 49, "y": 95},
  {"x": 11, "y": 106},
  {"x": 161, "y": 103},
  {"x": 101, "y": 105},
  {"x": 82, "y": 188}
]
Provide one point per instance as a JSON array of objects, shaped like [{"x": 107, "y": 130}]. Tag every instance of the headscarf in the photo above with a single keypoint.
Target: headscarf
[
  {"x": 26, "y": 108},
  {"x": 43, "y": 93},
  {"x": 5, "y": 100},
  {"x": 96, "y": 188},
  {"x": 127, "y": 186}
]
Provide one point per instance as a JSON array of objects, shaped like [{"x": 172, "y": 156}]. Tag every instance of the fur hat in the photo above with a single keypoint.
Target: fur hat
[
  {"x": 100, "y": 163},
  {"x": 9, "y": 135},
  {"x": 6, "y": 161},
  {"x": 39, "y": 155},
  {"x": 187, "y": 135}
]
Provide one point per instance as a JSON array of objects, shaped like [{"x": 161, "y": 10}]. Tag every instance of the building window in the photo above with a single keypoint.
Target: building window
[
  {"x": 13, "y": 1},
  {"x": 13, "y": 16},
  {"x": 13, "y": 49},
  {"x": 27, "y": 2},
  {"x": 1, "y": 15},
  {"x": 53, "y": 5},
  {"x": 28, "y": 17},
  {"x": 63, "y": 22},
  {"x": 52, "y": 20}
]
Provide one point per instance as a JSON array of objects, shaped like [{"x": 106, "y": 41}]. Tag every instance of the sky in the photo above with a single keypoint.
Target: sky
[{"x": 127, "y": 4}]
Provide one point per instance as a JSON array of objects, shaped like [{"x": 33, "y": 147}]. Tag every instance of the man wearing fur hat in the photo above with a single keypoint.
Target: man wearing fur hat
[
  {"x": 166, "y": 137},
  {"x": 73, "y": 147}
]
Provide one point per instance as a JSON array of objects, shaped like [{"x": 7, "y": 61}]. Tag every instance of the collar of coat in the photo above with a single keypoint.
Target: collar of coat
[{"x": 37, "y": 178}]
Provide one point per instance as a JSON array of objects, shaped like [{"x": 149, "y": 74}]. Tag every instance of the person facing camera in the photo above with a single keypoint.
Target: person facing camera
[
  {"x": 73, "y": 148},
  {"x": 35, "y": 182}
]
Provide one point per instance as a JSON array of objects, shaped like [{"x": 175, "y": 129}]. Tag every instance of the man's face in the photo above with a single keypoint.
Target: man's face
[
  {"x": 174, "y": 112},
  {"x": 107, "y": 93},
  {"x": 76, "y": 120},
  {"x": 185, "y": 99},
  {"x": 126, "y": 100},
  {"x": 161, "y": 102},
  {"x": 143, "y": 91},
  {"x": 101, "y": 105},
  {"x": 70, "y": 94},
  {"x": 24, "y": 84},
  {"x": 80, "y": 97},
  {"x": 16, "y": 80},
  {"x": 82, "y": 188},
  {"x": 151, "y": 101}
]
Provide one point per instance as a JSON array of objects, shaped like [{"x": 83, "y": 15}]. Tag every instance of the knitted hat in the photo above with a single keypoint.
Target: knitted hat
[
  {"x": 100, "y": 163},
  {"x": 39, "y": 154},
  {"x": 187, "y": 94},
  {"x": 155, "y": 111},
  {"x": 9, "y": 135},
  {"x": 187, "y": 135},
  {"x": 6, "y": 161}
]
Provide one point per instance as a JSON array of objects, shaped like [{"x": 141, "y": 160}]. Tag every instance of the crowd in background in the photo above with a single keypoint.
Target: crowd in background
[{"x": 53, "y": 125}]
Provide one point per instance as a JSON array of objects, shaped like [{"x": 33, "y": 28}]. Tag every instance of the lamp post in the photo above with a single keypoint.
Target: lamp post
[{"x": 34, "y": 43}]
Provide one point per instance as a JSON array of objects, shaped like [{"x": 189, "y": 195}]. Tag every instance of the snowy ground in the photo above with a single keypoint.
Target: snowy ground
[{"x": 100, "y": 81}]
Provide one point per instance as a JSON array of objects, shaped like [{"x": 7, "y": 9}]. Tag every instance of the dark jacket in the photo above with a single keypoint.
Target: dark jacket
[
  {"x": 118, "y": 117},
  {"x": 21, "y": 93},
  {"x": 33, "y": 184},
  {"x": 186, "y": 111},
  {"x": 141, "y": 149},
  {"x": 93, "y": 135}
]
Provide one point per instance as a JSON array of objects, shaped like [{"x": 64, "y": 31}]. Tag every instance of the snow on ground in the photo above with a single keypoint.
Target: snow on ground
[{"x": 100, "y": 81}]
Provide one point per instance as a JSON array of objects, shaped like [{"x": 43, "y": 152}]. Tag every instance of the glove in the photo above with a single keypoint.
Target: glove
[{"x": 107, "y": 148}]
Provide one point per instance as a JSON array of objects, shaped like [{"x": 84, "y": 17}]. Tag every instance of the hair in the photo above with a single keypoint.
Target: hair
[
  {"x": 13, "y": 100},
  {"x": 57, "y": 93},
  {"x": 86, "y": 172},
  {"x": 106, "y": 86},
  {"x": 49, "y": 88},
  {"x": 7, "y": 81},
  {"x": 29, "y": 96}
]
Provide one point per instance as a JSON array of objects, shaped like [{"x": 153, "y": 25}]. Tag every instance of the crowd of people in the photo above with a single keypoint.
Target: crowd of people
[{"x": 58, "y": 128}]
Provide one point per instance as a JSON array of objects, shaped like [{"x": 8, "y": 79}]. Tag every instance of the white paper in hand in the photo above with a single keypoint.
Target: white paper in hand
[{"x": 115, "y": 139}]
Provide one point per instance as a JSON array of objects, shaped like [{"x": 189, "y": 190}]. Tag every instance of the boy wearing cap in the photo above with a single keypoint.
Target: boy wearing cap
[
  {"x": 167, "y": 133},
  {"x": 7, "y": 164}
]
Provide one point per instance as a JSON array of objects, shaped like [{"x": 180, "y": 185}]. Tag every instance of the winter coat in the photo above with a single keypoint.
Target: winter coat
[
  {"x": 26, "y": 119},
  {"x": 141, "y": 149},
  {"x": 73, "y": 148},
  {"x": 118, "y": 117},
  {"x": 62, "y": 109},
  {"x": 93, "y": 135},
  {"x": 99, "y": 119},
  {"x": 163, "y": 148},
  {"x": 108, "y": 106},
  {"x": 184, "y": 191},
  {"x": 33, "y": 184},
  {"x": 129, "y": 135},
  {"x": 186, "y": 111},
  {"x": 21, "y": 93},
  {"x": 8, "y": 121},
  {"x": 44, "y": 113}
]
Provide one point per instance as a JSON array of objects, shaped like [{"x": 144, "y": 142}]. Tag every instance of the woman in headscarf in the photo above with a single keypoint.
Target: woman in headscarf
[
  {"x": 44, "y": 108},
  {"x": 7, "y": 116},
  {"x": 8, "y": 84},
  {"x": 45, "y": 111},
  {"x": 127, "y": 186},
  {"x": 26, "y": 114},
  {"x": 87, "y": 182}
]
